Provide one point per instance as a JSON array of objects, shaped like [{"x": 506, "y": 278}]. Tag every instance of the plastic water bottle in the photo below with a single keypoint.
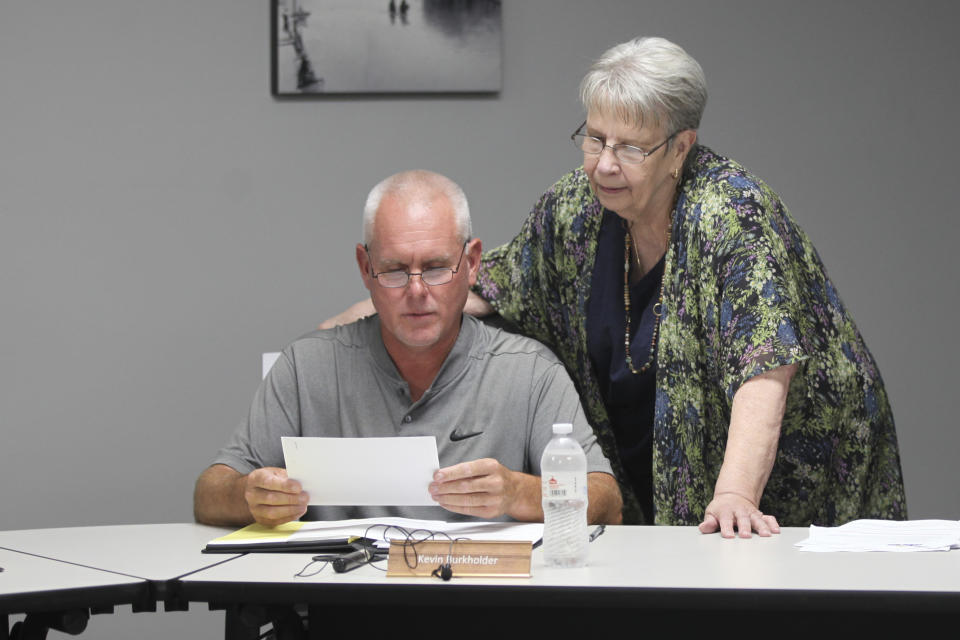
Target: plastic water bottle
[{"x": 563, "y": 474}]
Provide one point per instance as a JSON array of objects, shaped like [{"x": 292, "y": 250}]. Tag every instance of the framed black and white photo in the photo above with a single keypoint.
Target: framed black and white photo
[{"x": 322, "y": 47}]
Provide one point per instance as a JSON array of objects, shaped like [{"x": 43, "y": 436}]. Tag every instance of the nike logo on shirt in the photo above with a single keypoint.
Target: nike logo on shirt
[{"x": 457, "y": 435}]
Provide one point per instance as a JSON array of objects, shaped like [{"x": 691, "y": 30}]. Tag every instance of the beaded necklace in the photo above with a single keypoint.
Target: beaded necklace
[{"x": 657, "y": 308}]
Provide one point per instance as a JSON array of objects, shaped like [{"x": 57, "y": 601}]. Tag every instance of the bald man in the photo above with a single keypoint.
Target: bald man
[{"x": 419, "y": 366}]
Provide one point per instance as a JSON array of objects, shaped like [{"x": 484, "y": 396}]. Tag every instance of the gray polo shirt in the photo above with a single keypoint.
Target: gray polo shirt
[{"x": 500, "y": 390}]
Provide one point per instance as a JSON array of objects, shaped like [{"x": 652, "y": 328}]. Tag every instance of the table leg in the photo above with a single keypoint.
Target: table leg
[
  {"x": 244, "y": 621},
  {"x": 36, "y": 625},
  {"x": 237, "y": 627}
]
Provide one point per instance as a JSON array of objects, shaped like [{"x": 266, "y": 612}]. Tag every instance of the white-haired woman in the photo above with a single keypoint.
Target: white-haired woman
[{"x": 725, "y": 380}]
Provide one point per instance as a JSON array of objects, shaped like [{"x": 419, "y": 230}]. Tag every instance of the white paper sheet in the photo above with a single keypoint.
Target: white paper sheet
[
  {"x": 385, "y": 529},
  {"x": 267, "y": 361},
  {"x": 363, "y": 471},
  {"x": 884, "y": 535}
]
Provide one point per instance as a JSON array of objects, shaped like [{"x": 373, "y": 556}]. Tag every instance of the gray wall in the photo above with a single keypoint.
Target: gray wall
[{"x": 164, "y": 220}]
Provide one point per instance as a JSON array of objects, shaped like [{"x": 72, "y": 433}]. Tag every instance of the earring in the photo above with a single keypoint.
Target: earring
[{"x": 676, "y": 173}]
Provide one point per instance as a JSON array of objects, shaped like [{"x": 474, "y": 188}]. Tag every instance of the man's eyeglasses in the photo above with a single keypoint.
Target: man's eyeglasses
[
  {"x": 625, "y": 153},
  {"x": 399, "y": 278}
]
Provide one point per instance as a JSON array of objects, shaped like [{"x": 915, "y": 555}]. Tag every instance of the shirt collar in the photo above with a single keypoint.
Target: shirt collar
[{"x": 454, "y": 364}]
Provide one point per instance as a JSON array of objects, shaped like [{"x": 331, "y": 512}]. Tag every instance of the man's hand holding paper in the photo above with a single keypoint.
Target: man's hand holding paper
[
  {"x": 274, "y": 498},
  {"x": 487, "y": 489}
]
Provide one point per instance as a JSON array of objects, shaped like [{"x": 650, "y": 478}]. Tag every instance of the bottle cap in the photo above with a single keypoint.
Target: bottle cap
[{"x": 562, "y": 428}]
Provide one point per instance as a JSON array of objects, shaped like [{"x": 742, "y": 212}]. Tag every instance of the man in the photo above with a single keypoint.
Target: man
[{"x": 418, "y": 367}]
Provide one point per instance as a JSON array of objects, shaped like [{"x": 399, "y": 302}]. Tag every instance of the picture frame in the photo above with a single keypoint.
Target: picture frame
[{"x": 369, "y": 47}]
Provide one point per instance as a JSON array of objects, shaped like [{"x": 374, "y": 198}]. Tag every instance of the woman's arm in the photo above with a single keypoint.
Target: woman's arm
[
  {"x": 475, "y": 306},
  {"x": 352, "y": 313},
  {"x": 755, "y": 419}
]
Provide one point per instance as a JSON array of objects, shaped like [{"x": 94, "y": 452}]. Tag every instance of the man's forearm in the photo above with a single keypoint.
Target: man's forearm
[
  {"x": 606, "y": 503},
  {"x": 526, "y": 505},
  {"x": 218, "y": 498}
]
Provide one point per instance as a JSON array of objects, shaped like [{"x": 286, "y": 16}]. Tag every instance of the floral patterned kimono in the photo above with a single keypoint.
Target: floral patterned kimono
[{"x": 744, "y": 292}]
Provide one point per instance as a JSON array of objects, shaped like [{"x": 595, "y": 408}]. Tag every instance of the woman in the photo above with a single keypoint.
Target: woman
[{"x": 746, "y": 387}]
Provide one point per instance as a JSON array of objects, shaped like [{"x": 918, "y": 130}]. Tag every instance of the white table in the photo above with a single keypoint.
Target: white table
[
  {"x": 59, "y": 593},
  {"x": 85, "y": 566},
  {"x": 155, "y": 552},
  {"x": 646, "y": 576}
]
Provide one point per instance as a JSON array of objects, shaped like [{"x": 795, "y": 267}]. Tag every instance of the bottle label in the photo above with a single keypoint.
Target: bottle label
[{"x": 562, "y": 486}]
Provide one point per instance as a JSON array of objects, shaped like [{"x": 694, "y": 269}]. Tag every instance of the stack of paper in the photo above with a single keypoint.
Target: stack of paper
[
  {"x": 385, "y": 529},
  {"x": 885, "y": 535},
  {"x": 380, "y": 530}
]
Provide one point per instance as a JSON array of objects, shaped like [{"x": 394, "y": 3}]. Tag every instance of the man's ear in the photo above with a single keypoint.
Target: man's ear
[
  {"x": 363, "y": 262},
  {"x": 474, "y": 251}
]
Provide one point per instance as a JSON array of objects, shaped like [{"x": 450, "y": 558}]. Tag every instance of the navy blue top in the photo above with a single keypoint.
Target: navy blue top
[{"x": 628, "y": 397}]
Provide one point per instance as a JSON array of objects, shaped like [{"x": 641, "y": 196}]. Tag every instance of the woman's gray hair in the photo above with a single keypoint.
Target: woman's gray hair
[
  {"x": 418, "y": 183},
  {"x": 647, "y": 77}
]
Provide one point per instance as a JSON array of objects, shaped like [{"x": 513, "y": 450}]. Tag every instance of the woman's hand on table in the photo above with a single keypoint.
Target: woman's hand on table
[
  {"x": 729, "y": 511},
  {"x": 755, "y": 419}
]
